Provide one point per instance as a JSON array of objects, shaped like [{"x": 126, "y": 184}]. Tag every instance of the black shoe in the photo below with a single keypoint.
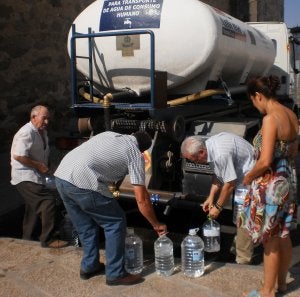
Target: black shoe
[
  {"x": 126, "y": 280},
  {"x": 86, "y": 275}
]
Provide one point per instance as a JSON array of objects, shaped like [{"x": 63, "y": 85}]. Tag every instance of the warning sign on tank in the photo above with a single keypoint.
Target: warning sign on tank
[{"x": 130, "y": 14}]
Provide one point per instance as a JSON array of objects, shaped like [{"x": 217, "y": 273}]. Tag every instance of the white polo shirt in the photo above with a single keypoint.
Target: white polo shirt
[
  {"x": 230, "y": 156},
  {"x": 29, "y": 143}
]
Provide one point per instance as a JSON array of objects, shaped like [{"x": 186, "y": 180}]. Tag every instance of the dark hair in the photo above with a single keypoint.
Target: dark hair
[
  {"x": 144, "y": 140},
  {"x": 264, "y": 85}
]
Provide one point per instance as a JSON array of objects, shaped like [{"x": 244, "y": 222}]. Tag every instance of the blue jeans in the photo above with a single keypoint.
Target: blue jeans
[{"x": 88, "y": 210}]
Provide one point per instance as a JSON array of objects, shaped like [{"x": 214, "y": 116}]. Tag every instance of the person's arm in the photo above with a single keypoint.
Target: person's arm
[
  {"x": 208, "y": 203},
  {"x": 225, "y": 193},
  {"x": 269, "y": 135},
  {"x": 146, "y": 208},
  {"x": 26, "y": 161}
]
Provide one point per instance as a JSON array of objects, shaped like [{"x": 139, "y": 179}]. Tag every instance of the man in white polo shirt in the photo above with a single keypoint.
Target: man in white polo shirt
[
  {"x": 29, "y": 164},
  {"x": 231, "y": 157}
]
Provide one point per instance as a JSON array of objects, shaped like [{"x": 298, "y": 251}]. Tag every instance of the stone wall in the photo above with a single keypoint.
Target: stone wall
[
  {"x": 252, "y": 10},
  {"x": 270, "y": 10},
  {"x": 34, "y": 64}
]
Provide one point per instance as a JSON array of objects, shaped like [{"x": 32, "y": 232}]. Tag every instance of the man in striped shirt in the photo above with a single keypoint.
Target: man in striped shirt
[
  {"x": 231, "y": 157},
  {"x": 83, "y": 179}
]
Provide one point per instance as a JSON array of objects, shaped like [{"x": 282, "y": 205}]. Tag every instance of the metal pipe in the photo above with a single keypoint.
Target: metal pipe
[
  {"x": 114, "y": 96},
  {"x": 205, "y": 94},
  {"x": 169, "y": 199},
  {"x": 87, "y": 96},
  {"x": 157, "y": 197},
  {"x": 194, "y": 97},
  {"x": 73, "y": 65},
  {"x": 91, "y": 64},
  {"x": 186, "y": 204}
]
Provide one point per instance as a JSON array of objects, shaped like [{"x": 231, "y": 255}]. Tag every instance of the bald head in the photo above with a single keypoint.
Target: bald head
[{"x": 39, "y": 117}]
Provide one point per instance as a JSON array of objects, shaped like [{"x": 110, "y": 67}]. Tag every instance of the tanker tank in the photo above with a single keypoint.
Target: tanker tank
[{"x": 196, "y": 44}]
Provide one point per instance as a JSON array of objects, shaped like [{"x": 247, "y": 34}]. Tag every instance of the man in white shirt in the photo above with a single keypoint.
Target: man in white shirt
[
  {"x": 230, "y": 157},
  {"x": 29, "y": 164}
]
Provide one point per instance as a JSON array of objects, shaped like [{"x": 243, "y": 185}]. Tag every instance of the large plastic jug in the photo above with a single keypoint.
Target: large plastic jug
[
  {"x": 192, "y": 254},
  {"x": 133, "y": 252},
  {"x": 164, "y": 257},
  {"x": 211, "y": 236}
]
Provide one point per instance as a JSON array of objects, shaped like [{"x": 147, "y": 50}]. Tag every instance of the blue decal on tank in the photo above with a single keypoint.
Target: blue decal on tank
[{"x": 130, "y": 14}]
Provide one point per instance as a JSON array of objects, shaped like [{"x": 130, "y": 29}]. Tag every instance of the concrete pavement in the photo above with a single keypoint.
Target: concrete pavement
[{"x": 27, "y": 270}]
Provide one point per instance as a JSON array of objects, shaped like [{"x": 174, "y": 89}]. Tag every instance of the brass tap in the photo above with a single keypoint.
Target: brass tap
[
  {"x": 113, "y": 189},
  {"x": 107, "y": 99},
  {"x": 116, "y": 194}
]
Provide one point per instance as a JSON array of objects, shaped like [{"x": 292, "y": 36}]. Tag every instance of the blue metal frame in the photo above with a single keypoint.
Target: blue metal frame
[{"x": 90, "y": 36}]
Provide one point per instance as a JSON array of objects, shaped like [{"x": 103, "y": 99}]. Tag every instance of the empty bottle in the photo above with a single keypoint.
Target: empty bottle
[
  {"x": 211, "y": 236},
  {"x": 192, "y": 255},
  {"x": 133, "y": 252},
  {"x": 164, "y": 257},
  {"x": 239, "y": 197}
]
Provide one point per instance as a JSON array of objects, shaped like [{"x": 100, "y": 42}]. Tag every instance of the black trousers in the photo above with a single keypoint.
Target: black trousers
[{"x": 39, "y": 206}]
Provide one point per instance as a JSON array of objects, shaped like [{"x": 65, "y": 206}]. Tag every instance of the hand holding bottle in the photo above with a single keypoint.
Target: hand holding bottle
[
  {"x": 161, "y": 229},
  {"x": 208, "y": 203}
]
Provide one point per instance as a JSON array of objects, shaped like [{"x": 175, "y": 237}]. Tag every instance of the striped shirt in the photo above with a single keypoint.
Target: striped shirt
[
  {"x": 105, "y": 158},
  {"x": 230, "y": 156}
]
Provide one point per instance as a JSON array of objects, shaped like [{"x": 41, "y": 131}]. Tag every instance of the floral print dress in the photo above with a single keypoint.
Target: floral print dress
[{"x": 270, "y": 203}]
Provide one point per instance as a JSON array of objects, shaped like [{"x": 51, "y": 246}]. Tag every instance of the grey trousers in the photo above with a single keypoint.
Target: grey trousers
[{"x": 39, "y": 207}]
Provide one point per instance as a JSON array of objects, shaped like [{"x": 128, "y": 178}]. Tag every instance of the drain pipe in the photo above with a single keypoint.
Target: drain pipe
[
  {"x": 156, "y": 197},
  {"x": 169, "y": 199}
]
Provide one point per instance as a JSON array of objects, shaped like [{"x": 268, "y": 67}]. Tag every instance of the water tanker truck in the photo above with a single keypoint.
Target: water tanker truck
[{"x": 174, "y": 68}]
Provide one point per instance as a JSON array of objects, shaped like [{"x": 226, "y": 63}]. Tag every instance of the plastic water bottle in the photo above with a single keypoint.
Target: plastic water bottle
[
  {"x": 239, "y": 197},
  {"x": 164, "y": 257},
  {"x": 192, "y": 254},
  {"x": 211, "y": 236},
  {"x": 133, "y": 252}
]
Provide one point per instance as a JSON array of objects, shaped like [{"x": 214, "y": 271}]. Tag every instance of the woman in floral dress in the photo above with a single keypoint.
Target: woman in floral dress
[{"x": 270, "y": 203}]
